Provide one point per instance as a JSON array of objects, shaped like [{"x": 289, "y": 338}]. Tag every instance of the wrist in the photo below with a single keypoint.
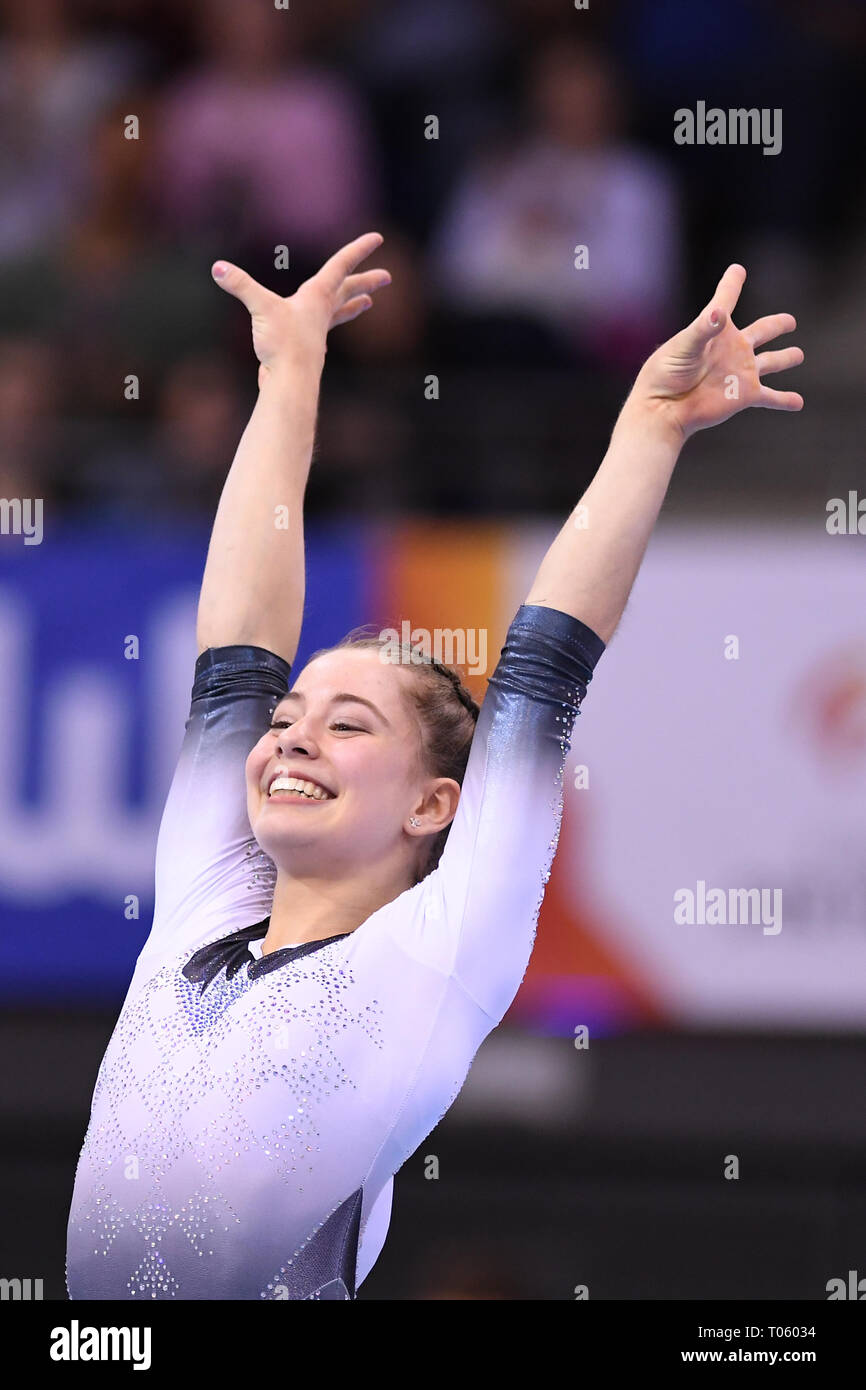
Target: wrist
[
  {"x": 651, "y": 419},
  {"x": 292, "y": 374}
]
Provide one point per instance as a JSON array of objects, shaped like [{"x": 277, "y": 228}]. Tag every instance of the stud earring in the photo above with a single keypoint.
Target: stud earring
[{"x": 413, "y": 820}]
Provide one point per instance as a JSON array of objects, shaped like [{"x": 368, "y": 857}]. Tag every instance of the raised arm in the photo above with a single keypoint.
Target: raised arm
[
  {"x": 252, "y": 591},
  {"x": 699, "y": 378},
  {"x": 211, "y": 878},
  {"x": 481, "y": 902}
]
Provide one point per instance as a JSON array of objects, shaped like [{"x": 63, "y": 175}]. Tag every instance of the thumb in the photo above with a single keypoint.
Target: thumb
[
  {"x": 238, "y": 283},
  {"x": 708, "y": 324}
]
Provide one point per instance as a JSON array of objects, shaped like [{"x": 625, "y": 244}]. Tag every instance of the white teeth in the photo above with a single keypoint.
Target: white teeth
[{"x": 294, "y": 784}]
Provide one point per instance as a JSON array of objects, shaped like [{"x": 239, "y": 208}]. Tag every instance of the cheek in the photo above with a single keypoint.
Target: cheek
[
  {"x": 376, "y": 773},
  {"x": 255, "y": 766}
]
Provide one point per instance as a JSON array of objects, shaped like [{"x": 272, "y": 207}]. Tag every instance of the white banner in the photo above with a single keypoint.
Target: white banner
[{"x": 724, "y": 740}]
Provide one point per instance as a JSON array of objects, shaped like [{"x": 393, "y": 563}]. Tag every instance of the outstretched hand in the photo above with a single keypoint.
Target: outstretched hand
[
  {"x": 295, "y": 328},
  {"x": 709, "y": 372}
]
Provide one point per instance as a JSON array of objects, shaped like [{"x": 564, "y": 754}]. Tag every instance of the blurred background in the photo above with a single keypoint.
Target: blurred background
[{"x": 460, "y": 420}]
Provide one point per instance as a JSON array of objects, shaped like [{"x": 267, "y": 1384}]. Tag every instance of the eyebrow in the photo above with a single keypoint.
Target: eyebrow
[{"x": 344, "y": 697}]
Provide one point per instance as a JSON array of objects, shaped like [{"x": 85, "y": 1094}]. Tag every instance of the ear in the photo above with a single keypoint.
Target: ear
[{"x": 437, "y": 808}]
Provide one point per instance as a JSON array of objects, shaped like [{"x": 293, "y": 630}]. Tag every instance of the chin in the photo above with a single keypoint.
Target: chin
[{"x": 282, "y": 841}]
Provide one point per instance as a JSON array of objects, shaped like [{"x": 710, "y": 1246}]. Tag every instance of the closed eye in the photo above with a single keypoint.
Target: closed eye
[{"x": 338, "y": 724}]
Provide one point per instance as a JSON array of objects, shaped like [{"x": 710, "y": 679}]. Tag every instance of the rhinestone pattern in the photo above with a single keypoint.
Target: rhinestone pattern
[{"x": 195, "y": 1082}]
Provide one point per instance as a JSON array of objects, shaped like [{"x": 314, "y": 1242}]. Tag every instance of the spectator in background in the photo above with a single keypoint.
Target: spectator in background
[
  {"x": 794, "y": 56},
  {"x": 389, "y": 442},
  {"x": 506, "y": 243},
  {"x": 54, "y": 85},
  {"x": 28, "y": 419},
  {"x": 403, "y": 333},
  {"x": 374, "y": 452},
  {"x": 257, "y": 148},
  {"x": 175, "y": 472},
  {"x": 113, "y": 299},
  {"x": 416, "y": 60},
  {"x": 202, "y": 413}
]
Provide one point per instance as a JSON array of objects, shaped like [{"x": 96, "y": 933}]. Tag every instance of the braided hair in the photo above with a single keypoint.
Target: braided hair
[
  {"x": 459, "y": 688},
  {"x": 447, "y": 715}
]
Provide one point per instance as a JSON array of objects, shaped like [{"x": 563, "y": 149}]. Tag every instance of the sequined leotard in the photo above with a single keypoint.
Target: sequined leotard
[{"x": 249, "y": 1114}]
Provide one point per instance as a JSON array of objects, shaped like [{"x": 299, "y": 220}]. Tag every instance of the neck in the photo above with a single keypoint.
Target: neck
[{"x": 309, "y": 908}]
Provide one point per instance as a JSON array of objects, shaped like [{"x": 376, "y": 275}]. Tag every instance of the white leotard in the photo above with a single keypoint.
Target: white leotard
[{"x": 249, "y": 1115}]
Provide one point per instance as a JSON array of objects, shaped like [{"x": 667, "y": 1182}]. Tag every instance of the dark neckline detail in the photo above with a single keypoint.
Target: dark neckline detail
[{"x": 232, "y": 952}]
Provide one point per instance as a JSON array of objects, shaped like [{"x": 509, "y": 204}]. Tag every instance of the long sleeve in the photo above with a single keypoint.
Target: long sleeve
[
  {"x": 481, "y": 903},
  {"x": 211, "y": 876}
]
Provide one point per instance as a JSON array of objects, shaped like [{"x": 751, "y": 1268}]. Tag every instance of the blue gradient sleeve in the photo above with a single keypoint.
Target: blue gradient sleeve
[
  {"x": 211, "y": 876},
  {"x": 486, "y": 892}
]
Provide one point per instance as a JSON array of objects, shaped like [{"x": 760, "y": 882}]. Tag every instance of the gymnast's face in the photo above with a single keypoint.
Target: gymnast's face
[{"x": 332, "y": 784}]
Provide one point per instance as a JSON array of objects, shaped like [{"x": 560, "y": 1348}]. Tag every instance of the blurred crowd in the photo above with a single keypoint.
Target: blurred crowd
[{"x": 487, "y": 139}]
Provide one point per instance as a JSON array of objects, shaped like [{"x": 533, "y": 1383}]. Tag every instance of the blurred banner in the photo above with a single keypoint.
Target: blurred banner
[
  {"x": 720, "y": 838},
  {"x": 710, "y": 867}
]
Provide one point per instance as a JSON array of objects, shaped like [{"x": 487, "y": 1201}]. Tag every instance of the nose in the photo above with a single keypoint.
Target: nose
[
  {"x": 284, "y": 748},
  {"x": 295, "y": 740}
]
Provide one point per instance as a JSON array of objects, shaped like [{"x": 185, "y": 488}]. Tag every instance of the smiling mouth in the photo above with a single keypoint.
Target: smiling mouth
[{"x": 293, "y": 789}]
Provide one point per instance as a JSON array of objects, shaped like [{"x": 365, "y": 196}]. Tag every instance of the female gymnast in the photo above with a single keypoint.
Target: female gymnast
[{"x": 348, "y": 873}]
